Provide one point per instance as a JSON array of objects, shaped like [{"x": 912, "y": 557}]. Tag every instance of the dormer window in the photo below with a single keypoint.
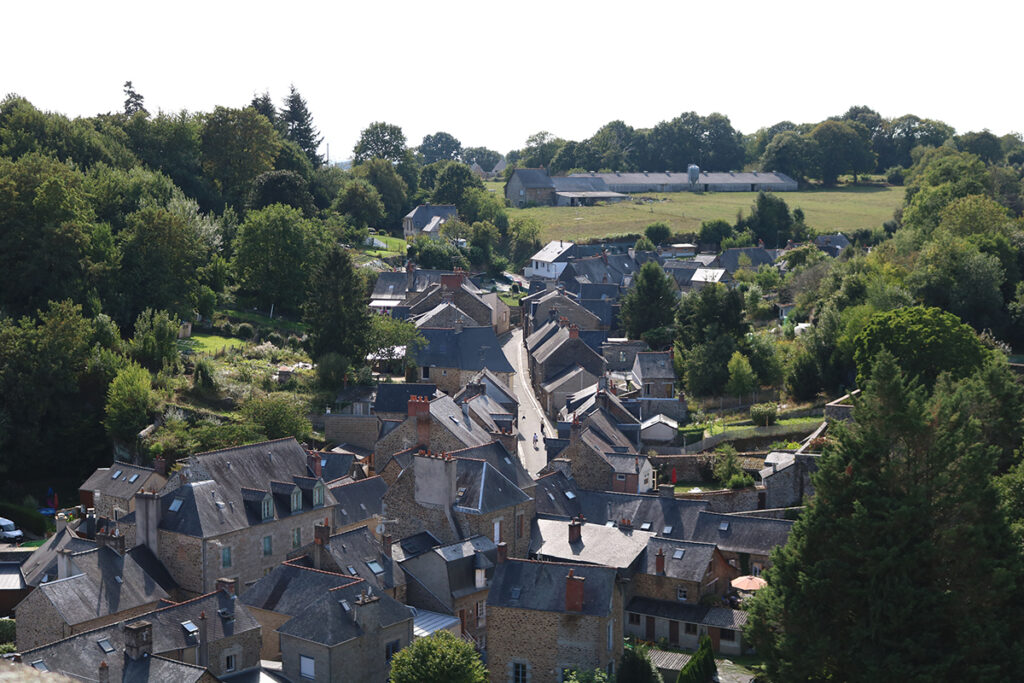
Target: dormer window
[
  {"x": 296, "y": 500},
  {"x": 318, "y": 495},
  {"x": 267, "y": 507}
]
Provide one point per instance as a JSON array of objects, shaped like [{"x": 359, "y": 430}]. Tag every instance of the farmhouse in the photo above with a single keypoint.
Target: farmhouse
[
  {"x": 706, "y": 182},
  {"x": 533, "y": 186}
]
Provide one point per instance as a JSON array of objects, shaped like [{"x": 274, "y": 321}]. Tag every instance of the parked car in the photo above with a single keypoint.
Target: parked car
[{"x": 10, "y": 532}]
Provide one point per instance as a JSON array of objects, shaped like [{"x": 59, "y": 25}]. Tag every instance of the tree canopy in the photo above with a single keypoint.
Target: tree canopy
[{"x": 440, "y": 658}]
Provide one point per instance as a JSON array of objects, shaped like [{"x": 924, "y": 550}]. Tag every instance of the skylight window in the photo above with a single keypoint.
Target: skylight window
[
  {"x": 176, "y": 504},
  {"x": 106, "y": 646},
  {"x": 190, "y": 628},
  {"x": 514, "y": 593},
  {"x": 678, "y": 554},
  {"x": 39, "y": 665},
  {"x": 131, "y": 479},
  {"x": 116, "y": 474},
  {"x": 609, "y": 523},
  {"x": 345, "y": 605},
  {"x": 667, "y": 530},
  {"x": 351, "y": 570},
  {"x": 375, "y": 567},
  {"x": 646, "y": 526},
  {"x": 570, "y": 495},
  {"x": 724, "y": 526}
]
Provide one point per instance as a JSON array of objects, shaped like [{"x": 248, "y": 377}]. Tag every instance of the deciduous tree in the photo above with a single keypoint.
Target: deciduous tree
[{"x": 439, "y": 658}]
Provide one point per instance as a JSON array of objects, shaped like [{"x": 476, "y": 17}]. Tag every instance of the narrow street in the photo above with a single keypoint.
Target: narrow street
[{"x": 531, "y": 416}]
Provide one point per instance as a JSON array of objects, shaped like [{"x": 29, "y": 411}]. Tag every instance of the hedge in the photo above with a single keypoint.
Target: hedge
[
  {"x": 701, "y": 667},
  {"x": 764, "y": 414},
  {"x": 24, "y": 518},
  {"x": 7, "y": 630}
]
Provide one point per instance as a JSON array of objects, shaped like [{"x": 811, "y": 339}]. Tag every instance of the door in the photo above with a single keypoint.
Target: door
[
  {"x": 673, "y": 632},
  {"x": 649, "y": 630},
  {"x": 715, "y": 638},
  {"x": 462, "y": 620}
]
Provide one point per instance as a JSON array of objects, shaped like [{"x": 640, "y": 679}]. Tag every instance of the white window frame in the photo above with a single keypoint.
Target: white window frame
[
  {"x": 230, "y": 662},
  {"x": 296, "y": 500},
  {"x": 296, "y": 537},
  {"x": 267, "y": 508}
]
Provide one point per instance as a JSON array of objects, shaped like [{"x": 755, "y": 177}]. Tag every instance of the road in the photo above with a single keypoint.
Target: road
[{"x": 531, "y": 416}]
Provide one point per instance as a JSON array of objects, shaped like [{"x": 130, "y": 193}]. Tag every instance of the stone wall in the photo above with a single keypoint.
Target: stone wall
[
  {"x": 727, "y": 500},
  {"x": 359, "y": 430},
  {"x": 38, "y": 621},
  {"x": 269, "y": 623}
]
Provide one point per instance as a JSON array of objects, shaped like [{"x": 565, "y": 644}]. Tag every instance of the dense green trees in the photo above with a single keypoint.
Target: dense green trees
[
  {"x": 903, "y": 561},
  {"x": 441, "y": 658},
  {"x": 440, "y": 146},
  {"x": 650, "y": 303},
  {"x": 237, "y": 146},
  {"x": 297, "y": 124},
  {"x": 335, "y": 308},
  {"x": 129, "y": 403}
]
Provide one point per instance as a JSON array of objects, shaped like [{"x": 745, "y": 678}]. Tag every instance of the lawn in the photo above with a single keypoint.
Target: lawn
[
  {"x": 841, "y": 209},
  {"x": 211, "y": 343},
  {"x": 279, "y": 324}
]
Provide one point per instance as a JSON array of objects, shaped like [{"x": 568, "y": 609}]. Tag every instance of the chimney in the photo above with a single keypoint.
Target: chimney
[
  {"x": 229, "y": 586},
  {"x": 113, "y": 540},
  {"x": 575, "y": 530},
  {"x": 573, "y": 592},
  {"x": 454, "y": 280},
  {"x": 204, "y": 641},
  {"x": 575, "y": 430},
  {"x": 314, "y": 462},
  {"x": 457, "y": 326},
  {"x": 147, "y": 517},
  {"x": 574, "y": 332},
  {"x": 104, "y": 673},
  {"x": 322, "y": 533},
  {"x": 160, "y": 465},
  {"x": 659, "y": 563},
  {"x": 479, "y": 560},
  {"x": 667, "y": 491},
  {"x": 465, "y": 409},
  {"x": 502, "y": 552},
  {"x": 435, "y": 477},
  {"x": 410, "y": 277},
  {"x": 419, "y": 407},
  {"x": 65, "y": 567},
  {"x": 138, "y": 639},
  {"x": 386, "y": 541},
  {"x": 626, "y": 523},
  {"x": 62, "y": 522},
  {"x": 563, "y": 321}
]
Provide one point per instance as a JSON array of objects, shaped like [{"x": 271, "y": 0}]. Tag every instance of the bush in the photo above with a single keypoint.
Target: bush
[
  {"x": 24, "y": 518},
  {"x": 276, "y": 339},
  {"x": 294, "y": 342},
  {"x": 701, "y": 667},
  {"x": 245, "y": 331},
  {"x": 895, "y": 175},
  {"x": 204, "y": 379},
  {"x": 7, "y": 630},
  {"x": 764, "y": 414},
  {"x": 739, "y": 481}
]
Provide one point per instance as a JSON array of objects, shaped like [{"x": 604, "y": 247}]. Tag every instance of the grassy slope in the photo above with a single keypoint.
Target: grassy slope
[{"x": 843, "y": 209}]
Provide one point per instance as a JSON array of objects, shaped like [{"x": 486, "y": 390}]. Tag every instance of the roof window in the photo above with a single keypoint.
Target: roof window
[
  {"x": 176, "y": 504},
  {"x": 724, "y": 526},
  {"x": 667, "y": 530},
  {"x": 375, "y": 567},
  {"x": 514, "y": 593},
  {"x": 131, "y": 479},
  {"x": 678, "y": 554},
  {"x": 105, "y": 645},
  {"x": 117, "y": 474},
  {"x": 190, "y": 628},
  {"x": 646, "y": 526}
]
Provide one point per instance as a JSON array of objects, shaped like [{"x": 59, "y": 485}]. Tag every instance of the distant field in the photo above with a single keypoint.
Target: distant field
[{"x": 841, "y": 209}]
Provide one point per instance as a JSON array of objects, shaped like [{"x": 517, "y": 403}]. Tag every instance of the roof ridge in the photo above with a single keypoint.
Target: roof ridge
[
  {"x": 247, "y": 445},
  {"x": 178, "y": 604},
  {"x": 354, "y": 581},
  {"x": 354, "y": 481},
  {"x": 289, "y": 563}
]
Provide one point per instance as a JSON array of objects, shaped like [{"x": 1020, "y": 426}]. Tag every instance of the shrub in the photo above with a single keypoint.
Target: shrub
[
  {"x": 895, "y": 175},
  {"x": 245, "y": 331},
  {"x": 8, "y": 648},
  {"x": 276, "y": 339},
  {"x": 205, "y": 378},
  {"x": 294, "y": 342},
  {"x": 701, "y": 667},
  {"x": 764, "y": 414},
  {"x": 739, "y": 481},
  {"x": 24, "y": 518},
  {"x": 7, "y": 630}
]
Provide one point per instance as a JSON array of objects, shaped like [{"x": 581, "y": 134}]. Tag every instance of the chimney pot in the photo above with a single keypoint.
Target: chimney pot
[
  {"x": 573, "y": 592},
  {"x": 160, "y": 465},
  {"x": 502, "y": 552},
  {"x": 229, "y": 586},
  {"x": 659, "y": 562},
  {"x": 575, "y": 530}
]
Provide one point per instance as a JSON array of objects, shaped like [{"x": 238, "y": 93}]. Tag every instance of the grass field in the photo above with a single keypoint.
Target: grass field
[
  {"x": 211, "y": 343},
  {"x": 841, "y": 209}
]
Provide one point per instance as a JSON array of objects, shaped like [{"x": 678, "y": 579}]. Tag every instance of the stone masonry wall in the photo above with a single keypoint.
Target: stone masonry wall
[{"x": 358, "y": 430}]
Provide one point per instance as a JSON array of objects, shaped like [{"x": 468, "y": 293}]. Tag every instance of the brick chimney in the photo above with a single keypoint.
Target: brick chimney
[
  {"x": 386, "y": 541},
  {"x": 113, "y": 540},
  {"x": 419, "y": 408},
  {"x": 575, "y": 531},
  {"x": 563, "y": 321},
  {"x": 574, "y": 332},
  {"x": 322, "y": 533},
  {"x": 575, "y": 430},
  {"x": 454, "y": 280},
  {"x": 573, "y": 592},
  {"x": 502, "y": 552},
  {"x": 410, "y": 276},
  {"x": 160, "y": 465},
  {"x": 314, "y": 462},
  {"x": 138, "y": 639},
  {"x": 659, "y": 562},
  {"x": 104, "y": 673},
  {"x": 229, "y": 586}
]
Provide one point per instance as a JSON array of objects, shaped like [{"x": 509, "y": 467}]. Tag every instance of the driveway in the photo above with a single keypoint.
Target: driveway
[{"x": 531, "y": 416}]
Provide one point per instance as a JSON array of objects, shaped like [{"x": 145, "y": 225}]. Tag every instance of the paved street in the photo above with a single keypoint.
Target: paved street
[{"x": 530, "y": 414}]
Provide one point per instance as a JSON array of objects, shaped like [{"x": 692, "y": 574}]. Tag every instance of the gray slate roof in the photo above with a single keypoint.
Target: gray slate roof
[
  {"x": 474, "y": 348},
  {"x": 290, "y": 587},
  {"x": 730, "y": 258},
  {"x": 692, "y": 566},
  {"x": 599, "y": 544},
  {"x": 394, "y": 398},
  {"x": 356, "y": 548},
  {"x": 754, "y": 535},
  {"x": 326, "y": 621},
  {"x": 129, "y": 480},
  {"x": 225, "y": 616},
  {"x": 359, "y": 500},
  {"x": 718, "y": 617},
  {"x": 486, "y": 488},
  {"x": 43, "y": 562},
  {"x": 424, "y": 213},
  {"x": 527, "y": 584},
  {"x": 497, "y": 456},
  {"x": 653, "y": 365},
  {"x": 449, "y": 571}
]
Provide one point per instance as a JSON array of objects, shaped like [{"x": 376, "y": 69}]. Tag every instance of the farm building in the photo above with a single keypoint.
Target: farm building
[
  {"x": 533, "y": 186},
  {"x": 706, "y": 182}
]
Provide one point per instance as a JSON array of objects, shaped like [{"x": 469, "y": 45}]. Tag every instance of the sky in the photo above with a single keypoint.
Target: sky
[{"x": 494, "y": 73}]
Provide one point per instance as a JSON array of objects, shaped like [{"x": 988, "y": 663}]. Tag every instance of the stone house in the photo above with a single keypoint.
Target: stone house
[
  {"x": 682, "y": 624},
  {"x": 604, "y": 268},
  {"x": 655, "y": 374},
  {"x": 454, "y": 579},
  {"x": 682, "y": 571},
  {"x": 620, "y": 353},
  {"x": 484, "y": 308},
  {"x": 110, "y": 491},
  {"x": 599, "y": 457},
  {"x": 564, "y": 349},
  {"x": 284, "y": 593},
  {"x": 452, "y": 357},
  {"x": 555, "y": 305},
  {"x": 348, "y": 631},
  {"x": 357, "y": 554},
  {"x": 391, "y": 401},
  {"x": 358, "y": 504},
  {"x": 236, "y": 512},
  {"x": 427, "y": 219},
  {"x": 496, "y": 389},
  {"x": 457, "y": 498},
  {"x": 620, "y": 546},
  {"x": 547, "y": 618},
  {"x": 553, "y": 393},
  {"x": 745, "y": 542},
  {"x": 93, "y": 588},
  {"x": 394, "y": 287},
  {"x": 75, "y": 536}
]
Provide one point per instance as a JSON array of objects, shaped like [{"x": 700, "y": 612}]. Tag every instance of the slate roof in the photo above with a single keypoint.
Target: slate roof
[
  {"x": 335, "y": 465},
  {"x": 129, "y": 480},
  {"x": 505, "y": 395},
  {"x": 556, "y": 342},
  {"x": 730, "y": 258},
  {"x": 411, "y": 546},
  {"x": 599, "y": 290},
  {"x": 711, "y": 178},
  {"x": 356, "y": 548},
  {"x": 616, "y": 269},
  {"x": 540, "y": 335},
  {"x": 570, "y": 375},
  {"x": 474, "y": 348},
  {"x": 832, "y": 245},
  {"x": 754, "y": 535},
  {"x": 394, "y": 398},
  {"x": 652, "y": 365},
  {"x": 424, "y": 213},
  {"x": 466, "y": 431},
  {"x": 693, "y": 564},
  {"x": 43, "y": 562},
  {"x": 718, "y": 617},
  {"x": 225, "y": 617},
  {"x": 527, "y": 584},
  {"x": 359, "y": 500},
  {"x": 674, "y": 518},
  {"x": 486, "y": 488},
  {"x": 497, "y": 456},
  {"x": 449, "y": 571},
  {"x": 534, "y": 178},
  {"x": 445, "y": 314},
  {"x": 290, "y": 587},
  {"x": 326, "y": 621},
  {"x": 600, "y": 544}
]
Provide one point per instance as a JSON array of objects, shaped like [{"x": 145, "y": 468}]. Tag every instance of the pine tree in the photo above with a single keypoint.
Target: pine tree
[
  {"x": 298, "y": 126},
  {"x": 902, "y": 567},
  {"x": 650, "y": 303},
  {"x": 133, "y": 101},
  {"x": 336, "y": 310},
  {"x": 264, "y": 105}
]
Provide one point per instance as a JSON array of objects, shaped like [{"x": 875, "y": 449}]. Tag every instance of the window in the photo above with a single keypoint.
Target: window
[
  {"x": 728, "y": 634},
  {"x": 116, "y": 474},
  {"x": 131, "y": 479},
  {"x": 620, "y": 477},
  {"x": 481, "y": 613},
  {"x": 519, "y": 525},
  {"x": 296, "y": 500},
  {"x": 634, "y": 619},
  {"x": 318, "y": 495},
  {"x": 426, "y": 372},
  {"x": 268, "y": 545},
  {"x": 681, "y": 594},
  {"x": 667, "y": 530},
  {"x": 755, "y": 569},
  {"x": 519, "y": 674},
  {"x": 678, "y": 554},
  {"x": 39, "y": 665},
  {"x": 106, "y": 646},
  {"x": 375, "y": 567},
  {"x": 176, "y": 504},
  {"x": 229, "y": 662},
  {"x": 225, "y": 557},
  {"x": 497, "y": 531},
  {"x": 690, "y": 629},
  {"x": 190, "y": 628},
  {"x": 307, "y": 667},
  {"x": 268, "y": 507},
  {"x": 352, "y": 570},
  {"x": 391, "y": 648},
  {"x": 296, "y": 537}
]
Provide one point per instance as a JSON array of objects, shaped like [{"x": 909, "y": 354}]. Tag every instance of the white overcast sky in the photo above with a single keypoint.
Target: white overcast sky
[{"x": 493, "y": 73}]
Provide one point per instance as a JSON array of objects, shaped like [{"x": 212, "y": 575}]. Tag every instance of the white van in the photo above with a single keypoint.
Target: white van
[{"x": 8, "y": 531}]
